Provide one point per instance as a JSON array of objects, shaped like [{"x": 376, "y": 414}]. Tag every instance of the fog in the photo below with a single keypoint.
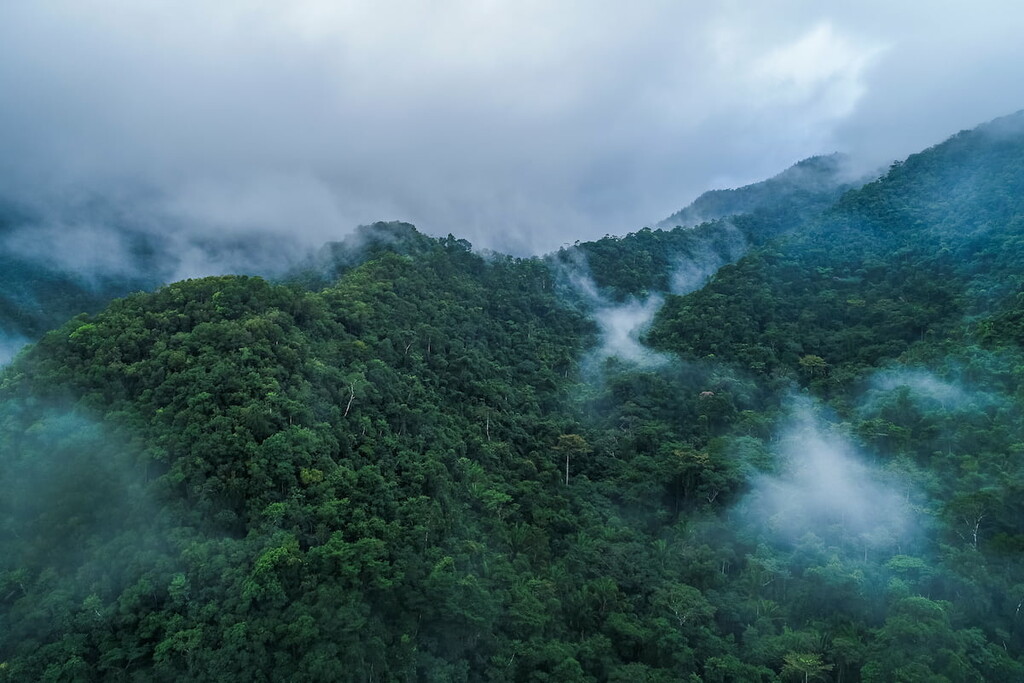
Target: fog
[
  {"x": 88, "y": 249},
  {"x": 920, "y": 384},
  {"x": 519, "y": 126},
  {"x": 68, "y": 478},
  {"x": 825, "y": 487},
  {"x": 9, "y": 347},
  {"x": 928, "y": 390},
  {"x": 622, "y": 327},
  {"x": 622, "y": 324},
  {"x": 694, "y": 270}
]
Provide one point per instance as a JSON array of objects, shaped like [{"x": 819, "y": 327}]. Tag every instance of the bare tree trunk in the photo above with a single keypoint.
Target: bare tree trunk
[{"x": 351, "y": 397}]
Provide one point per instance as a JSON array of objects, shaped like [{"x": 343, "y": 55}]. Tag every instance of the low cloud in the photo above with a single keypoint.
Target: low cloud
[
  {"x": 622, "y": 326},
  {"x": 693, "y": 271},
  {"x": 91, "y": 251},
  {"x": 519, "y": 126},
  {"x": 9, "y": 347},
  {"x": 824, "y": 487},
  {"x": 924, "y": 387},
  {"x": 919, "y": 383}
]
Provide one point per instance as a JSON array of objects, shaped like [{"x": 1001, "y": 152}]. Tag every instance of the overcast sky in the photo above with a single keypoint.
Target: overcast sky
[{"x": 520, "y": 125}]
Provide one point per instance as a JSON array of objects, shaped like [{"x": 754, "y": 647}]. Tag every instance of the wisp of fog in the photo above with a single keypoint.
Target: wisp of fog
[{"x": 826, "y": 488}]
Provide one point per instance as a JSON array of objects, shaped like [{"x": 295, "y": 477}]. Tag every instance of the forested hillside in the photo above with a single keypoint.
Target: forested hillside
[
  {"x": 802, "y": 190},
  {"x": 36, "y": 296},
  {"x": 404, "y": 461},
  {"x": 53, "y": 267},
  {"x": 58, "y": 262}
]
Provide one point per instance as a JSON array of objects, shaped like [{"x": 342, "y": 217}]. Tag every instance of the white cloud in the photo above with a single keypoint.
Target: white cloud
[
  {"x": 516, "y": 124},
  {"x": 825, "y": 487},
  {"x": 821, "y": 71}
]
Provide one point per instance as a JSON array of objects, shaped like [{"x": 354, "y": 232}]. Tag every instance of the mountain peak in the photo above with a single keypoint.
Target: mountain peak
[{"x": 813, "y": 182}]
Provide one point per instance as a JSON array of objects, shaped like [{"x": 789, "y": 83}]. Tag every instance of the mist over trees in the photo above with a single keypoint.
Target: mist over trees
[{"x": 403, "y": 460}]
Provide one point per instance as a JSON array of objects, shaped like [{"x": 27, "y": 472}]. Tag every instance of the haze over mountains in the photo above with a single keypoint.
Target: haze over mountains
[
  {"x": 73, "y": 258},
  {"x": 812, "y": 185},
  {"x": 783, "y": 444},
  {"x": 517, "y": 125}
]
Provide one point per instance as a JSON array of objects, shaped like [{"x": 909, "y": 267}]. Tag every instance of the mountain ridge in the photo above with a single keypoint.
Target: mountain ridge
[
  {"x": 400, "y": 465},
  {"x": 812, "y": 183}
]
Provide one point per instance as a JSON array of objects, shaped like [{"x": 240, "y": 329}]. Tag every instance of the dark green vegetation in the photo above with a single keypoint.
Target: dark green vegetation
[
  {"x": 36, "y": 297},
  {"x": 53, "y": 267},
  {"x": 390, "y": 467}
]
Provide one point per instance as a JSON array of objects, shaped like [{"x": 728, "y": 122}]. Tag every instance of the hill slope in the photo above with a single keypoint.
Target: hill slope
[
  {"x": 902, "y": 259},
  {"x": 394, "y": 467},
  {"x": 803, "y": 189}
]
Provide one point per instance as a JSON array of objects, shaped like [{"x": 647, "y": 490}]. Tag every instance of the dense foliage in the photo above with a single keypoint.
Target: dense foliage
[
  {"x": 394, "y": 465},
  {"x": 58, "y": 262}
]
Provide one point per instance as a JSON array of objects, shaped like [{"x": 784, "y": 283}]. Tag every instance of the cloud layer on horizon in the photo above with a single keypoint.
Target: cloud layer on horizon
[{"x": 519, "y": 126}]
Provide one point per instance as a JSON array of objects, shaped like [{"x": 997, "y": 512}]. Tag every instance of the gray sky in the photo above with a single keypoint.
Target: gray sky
[{"x": 519, "y": 125}]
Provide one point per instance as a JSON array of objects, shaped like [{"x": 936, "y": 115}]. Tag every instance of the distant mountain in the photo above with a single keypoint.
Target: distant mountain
[
  {"x": 39, "y": 291},
  {"x": 49, "y": 273},
  {"x": 716, "y": 229},
  {"x": 52, "y": 269},
  {"x": 902, "y": 259},
  {"x": 806, "y": 187}
]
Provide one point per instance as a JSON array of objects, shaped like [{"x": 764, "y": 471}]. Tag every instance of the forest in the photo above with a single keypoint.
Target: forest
[{"x": 786, "y": 444}]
